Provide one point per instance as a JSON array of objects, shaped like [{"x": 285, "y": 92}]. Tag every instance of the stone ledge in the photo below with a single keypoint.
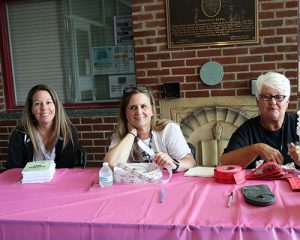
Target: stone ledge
[{"x": 71, "y": 113}]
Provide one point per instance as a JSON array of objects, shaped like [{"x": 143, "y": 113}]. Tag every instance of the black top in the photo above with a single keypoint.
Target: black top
[
  {"x": 252, "y": 132},
  {"x": 20, "y": 150}
]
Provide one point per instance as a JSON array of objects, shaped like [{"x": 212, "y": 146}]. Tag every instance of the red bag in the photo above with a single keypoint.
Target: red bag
[{"x": 268, "y": 170}]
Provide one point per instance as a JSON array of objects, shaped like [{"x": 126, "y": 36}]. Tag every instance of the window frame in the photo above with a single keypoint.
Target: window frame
[{"x": 7, "y": 72}]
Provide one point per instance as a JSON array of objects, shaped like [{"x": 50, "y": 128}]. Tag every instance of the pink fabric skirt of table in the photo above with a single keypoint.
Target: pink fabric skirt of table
[{"x": 193, "y": 208}]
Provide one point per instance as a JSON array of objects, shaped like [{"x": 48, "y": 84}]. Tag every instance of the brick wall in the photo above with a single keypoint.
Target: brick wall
[
  {"x": 156, "y": 65},
  {"x": 276, "y": 50},
  {"x": 93, "y": 134}
]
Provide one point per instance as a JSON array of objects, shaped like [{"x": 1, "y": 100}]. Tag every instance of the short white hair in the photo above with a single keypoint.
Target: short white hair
[{"x": 273, "y": 80}]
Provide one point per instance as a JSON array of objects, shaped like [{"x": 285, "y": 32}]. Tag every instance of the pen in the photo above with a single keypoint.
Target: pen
[
  {"x": 162, "y": 195},
  {"x": 230, "y": 199},
  {"x": 91, "y": 186}
]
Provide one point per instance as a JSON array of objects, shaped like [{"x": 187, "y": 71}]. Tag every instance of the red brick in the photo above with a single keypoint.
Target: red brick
[
  {"x": 172, "y": 63},
  {"x": 236, "y": 68},
  {"x": 172, "y": 79},
  {"x": 158, "y": 56},
  {"x": 273, "y": 40},
  {"x": 142, "y": 17},
  {"x": 182, "y": 71},
  {"x": 272, "y": 57},
  {"x": 249, "y": 59},
  {"x": 263, "y": 67},
  {"x": 286, "y": 31},
  {"x": 235, "y": 51},
  {"x": 235, "y": 84},
  {"x": 158, "y": 72},
  {"x": 92, "y": 120},
  {"x": 266, "y": 15},
  {"x": 196, "y": 62},
  {"x": 82, "y": 128},
  {"x": 110, "y": 119},
  {"x": 144, "y": 49},
  {"x": 187, "y": 54},
  {"x": 155, "y": 40},
  {"x": 226, "y": 60},
  {"x": 286, "y": 13},
  {"x": 271, "y": 5},
  {"x": 209, "y": 53},
  {"x": 156, "y": 7},
  {"x": 287, "y": 48},
  {"x": 272, "y": 23},
  {"x": 154, "y": 24},
  {"x": 287, "y": 65},
  {"x": 262, "y": 50}
]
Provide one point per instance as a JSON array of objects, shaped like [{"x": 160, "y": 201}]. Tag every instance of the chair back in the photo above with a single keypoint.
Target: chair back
[
  {"x": 193, "y": 149},
  {"x": 80, "y": 157}
]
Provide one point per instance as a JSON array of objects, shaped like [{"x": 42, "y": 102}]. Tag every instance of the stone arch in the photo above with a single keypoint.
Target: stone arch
[{"x": 210, "y": 128}]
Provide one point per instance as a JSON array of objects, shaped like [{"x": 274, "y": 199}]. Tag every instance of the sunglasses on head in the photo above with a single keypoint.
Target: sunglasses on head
[{"x": 137, "y": 88}]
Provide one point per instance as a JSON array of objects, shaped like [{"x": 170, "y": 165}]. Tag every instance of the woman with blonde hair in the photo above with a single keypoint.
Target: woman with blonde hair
[
  {"x": 44, "y": 133},
  {"x": 138, "y": 121}
]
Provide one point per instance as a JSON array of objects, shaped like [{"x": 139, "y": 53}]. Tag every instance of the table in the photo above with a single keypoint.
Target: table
[{"x": 193, "y": 208}]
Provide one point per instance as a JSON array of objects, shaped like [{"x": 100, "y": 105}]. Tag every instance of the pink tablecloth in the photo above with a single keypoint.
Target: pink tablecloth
[{"x": 193, "y": 208}]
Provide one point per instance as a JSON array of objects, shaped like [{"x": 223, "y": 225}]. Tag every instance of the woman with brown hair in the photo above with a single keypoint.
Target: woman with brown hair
[
  {"x": 138, "y": 122},
  {"x": 45, "y": 132}
]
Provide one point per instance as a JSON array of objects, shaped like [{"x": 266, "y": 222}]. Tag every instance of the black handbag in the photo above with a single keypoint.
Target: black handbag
[{"x": 258, "y": 195}]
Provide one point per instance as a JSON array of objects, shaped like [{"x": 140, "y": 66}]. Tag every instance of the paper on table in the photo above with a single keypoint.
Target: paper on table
[
  {"x": 200, "y": 172},
  {"x": 38, "y": 171}
]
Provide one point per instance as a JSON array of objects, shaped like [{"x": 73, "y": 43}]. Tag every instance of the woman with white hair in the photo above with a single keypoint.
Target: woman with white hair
[{"x": 271, "y": 136}]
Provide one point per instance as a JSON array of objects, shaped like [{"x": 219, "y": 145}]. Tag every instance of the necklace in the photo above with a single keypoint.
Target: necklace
[{"x": 145, "y": 157}]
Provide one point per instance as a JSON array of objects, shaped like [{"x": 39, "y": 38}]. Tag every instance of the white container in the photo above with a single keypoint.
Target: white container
[{"x": 105, "y": 176}]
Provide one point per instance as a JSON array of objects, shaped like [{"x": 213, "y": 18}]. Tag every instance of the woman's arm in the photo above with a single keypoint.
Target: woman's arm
[
  {"x": 244, "y": 156},
  {"x": 178, "y": 153},
  {"x": 183, "y": 164},
  {"x": 120, "y": 152},
  {"x": 16, "y": 151},
  {"x": 186, "y": 163}
]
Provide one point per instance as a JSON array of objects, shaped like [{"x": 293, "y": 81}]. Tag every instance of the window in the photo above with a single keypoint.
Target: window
[{"x": 83, "y": 49}]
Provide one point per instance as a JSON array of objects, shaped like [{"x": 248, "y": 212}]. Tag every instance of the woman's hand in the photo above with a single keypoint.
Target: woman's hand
[
  {"x": 294, "y": 152},
  {"x": 163, "y": 159},
  {"x": 268, "y": 153},
  {"x": 132, "y": 129}
]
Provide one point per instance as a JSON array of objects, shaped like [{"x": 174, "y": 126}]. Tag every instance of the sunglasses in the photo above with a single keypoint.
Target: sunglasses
[
  {"x": 138, "y": 89},
  {"x": 141, "y": 88}
]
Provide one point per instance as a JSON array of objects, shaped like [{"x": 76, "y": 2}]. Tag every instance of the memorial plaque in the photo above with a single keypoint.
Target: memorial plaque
[{"x": 192, "y": 23}]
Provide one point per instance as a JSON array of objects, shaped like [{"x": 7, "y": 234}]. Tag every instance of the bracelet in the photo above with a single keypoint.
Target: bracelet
[
  {"x": 132, "y": 134},
  {"x": 177, "y": 163}
]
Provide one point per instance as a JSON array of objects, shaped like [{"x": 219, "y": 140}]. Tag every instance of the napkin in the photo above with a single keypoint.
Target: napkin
[{"x": 200, "y": 172}]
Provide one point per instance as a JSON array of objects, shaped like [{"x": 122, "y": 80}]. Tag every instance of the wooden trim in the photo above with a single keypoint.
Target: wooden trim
[
  {"x": 8, "y": 81},
  {"x": 6, "y": 59}
]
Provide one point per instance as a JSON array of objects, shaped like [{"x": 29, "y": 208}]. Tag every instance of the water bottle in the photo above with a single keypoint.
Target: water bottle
[{"x": 105, "y": 176}]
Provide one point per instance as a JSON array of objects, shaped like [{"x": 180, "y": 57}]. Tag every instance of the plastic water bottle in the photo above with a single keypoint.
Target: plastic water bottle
[{"x": 105, "y": 176}]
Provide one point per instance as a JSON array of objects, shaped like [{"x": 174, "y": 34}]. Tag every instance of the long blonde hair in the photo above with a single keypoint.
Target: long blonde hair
[
  {"x": 61, "y": 121},
  {"x": 122, "y": 127}
]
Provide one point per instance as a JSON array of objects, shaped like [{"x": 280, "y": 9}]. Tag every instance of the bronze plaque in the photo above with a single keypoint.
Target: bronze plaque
[{"x": 192, "y": 23}]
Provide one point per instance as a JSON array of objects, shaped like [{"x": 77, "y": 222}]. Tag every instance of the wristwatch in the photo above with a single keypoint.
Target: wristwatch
[{"x": 177, "y": 163}]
